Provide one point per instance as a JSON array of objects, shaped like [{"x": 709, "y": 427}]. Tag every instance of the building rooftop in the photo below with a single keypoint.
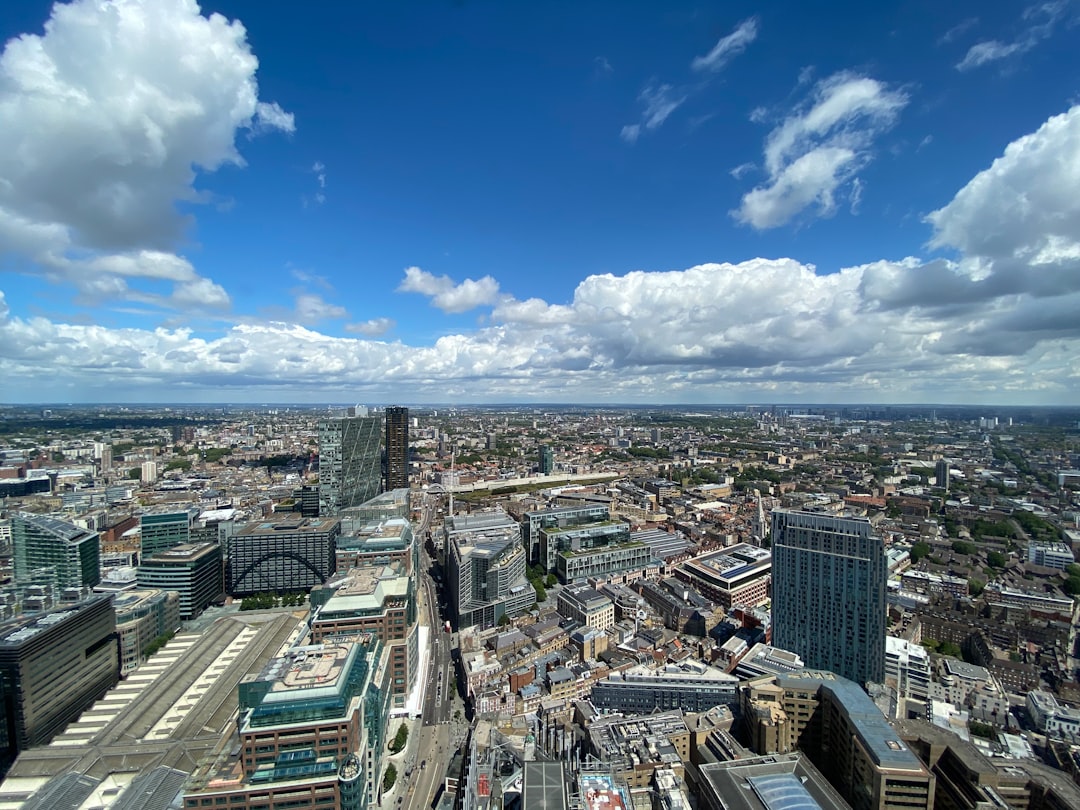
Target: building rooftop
[
  {"x": 289, "y": 523},
  {"x": 780, "y": 782},
  {"x": 880, "y": 739}
]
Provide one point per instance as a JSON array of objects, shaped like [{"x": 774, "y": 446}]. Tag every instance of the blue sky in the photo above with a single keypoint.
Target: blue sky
[{"x": 495, "y": 202}]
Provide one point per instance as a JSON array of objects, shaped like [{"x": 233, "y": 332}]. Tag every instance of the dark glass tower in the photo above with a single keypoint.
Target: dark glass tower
[{"x": 397, "y": 448}]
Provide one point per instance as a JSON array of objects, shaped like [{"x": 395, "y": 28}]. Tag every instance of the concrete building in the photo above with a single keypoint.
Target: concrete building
[
  {"x": 161, "y": 529},
  {"x": 397, "y": 448},
  {"x": 836, "y": 724},
  {"x": 485, "y": 569},
  {"x": 350, "y": 462},
  {"x": 1051, "y": 718},
  {"x": 53, "y": 667},
  {"x": 642, "y": 691},
  {"x": 828, "y": 588},
  {"x": 586, "y": 605},
  {"x": 634, "y": 748},
  {"x": 193, "y": 570},
  {"x": 376, "y": 599},
  {"x": 282, "y": 555},
  {"x": 1051, "y": 555},
  {"x": 72, "y": 554},
  {"x": 311, "y": 731}
]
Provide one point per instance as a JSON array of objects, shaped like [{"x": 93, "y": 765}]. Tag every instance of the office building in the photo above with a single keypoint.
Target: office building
[
  {"x": 836, "y": 724},
  {"x": 547, "y": 460},
  {"x": 70, "y": 554},
  {"x": 562, "y": 516},
  {"x": 378, "y": 543},
  {"x": 377, "y": 599},
  {"x": 643, "y": 691},
  {"x": 634, "y": 748},
  {"x": 162, "y": 529},
  {"x": 53, "y": 667},
  {"x": 193, "y": 570},
  {"x": 179, "y": 710},
  {"x": 580, "y": 537},
  {"x": 485, "y": 569},
  {"x": 282, "y": 555},
  {"x": 586, "y": 605},
  {"x": 350, "y": 462},
  {"x": 1051, "y": 555},
  {"x": 828, "y": 589},
  {"x": 738, "y": 575},
  {"x": 311, "y": 730},
  {"x": 397, "y": 448},
  {"x": 624, "y": 560}
]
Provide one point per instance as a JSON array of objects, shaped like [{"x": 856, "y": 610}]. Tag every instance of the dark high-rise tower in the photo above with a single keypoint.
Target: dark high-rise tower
[{"x": 397, "y": 448}]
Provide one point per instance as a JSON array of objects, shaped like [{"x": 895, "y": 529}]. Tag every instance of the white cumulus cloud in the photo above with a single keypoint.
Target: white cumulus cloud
[
  {"x": 819, "y": 147},
  {"x": 448, "y": 296},
  {"x": 107, "y": 117}
]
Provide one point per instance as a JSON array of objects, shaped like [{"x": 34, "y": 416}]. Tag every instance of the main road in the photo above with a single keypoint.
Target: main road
[{"x": 439, "y": 729}]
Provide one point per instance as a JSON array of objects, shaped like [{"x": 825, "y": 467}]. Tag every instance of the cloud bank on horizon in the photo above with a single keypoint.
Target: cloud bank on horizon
[{"x": 115, "y": 114}]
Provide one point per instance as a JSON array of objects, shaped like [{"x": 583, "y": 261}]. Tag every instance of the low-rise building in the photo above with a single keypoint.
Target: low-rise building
[{"x": 586, "y": 605}]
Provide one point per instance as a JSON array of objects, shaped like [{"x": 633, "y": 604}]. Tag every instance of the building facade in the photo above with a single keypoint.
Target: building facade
[
  {"x": 375, "y": 599},
  {"x": 52, "y": 668},
  {"x": 311, "y": 733},
  {"x": 560, "y": 516},
  {"x": 397, "y": 448},
  {"x": 193, "y": 570},
  {"x": 350, "y": 462},
  {"x": 164, "y": 528},
  {"x": 835, "y": 723},
  {"x": 40, "y": 542},
  {"x": 828, "y": 587},
  {"x": 485, "y": 569},
  {"x": 142, "y": 618},
  {"x": 739, "y": 575},
  {"x": 282, "y": 556},
  {"x": 642, "y": 691}
]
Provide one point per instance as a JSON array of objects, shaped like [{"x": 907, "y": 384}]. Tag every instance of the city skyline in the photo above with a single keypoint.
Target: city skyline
[{"x": 627, "y": 204}]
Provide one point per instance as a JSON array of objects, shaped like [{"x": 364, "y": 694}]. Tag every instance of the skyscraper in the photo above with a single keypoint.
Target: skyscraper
[
  {"x": 828, "y": 580},
  {"x": 547, "y": 460},
  {"x": 349, "y": 462},
  {"x": 397, "y": 448}
]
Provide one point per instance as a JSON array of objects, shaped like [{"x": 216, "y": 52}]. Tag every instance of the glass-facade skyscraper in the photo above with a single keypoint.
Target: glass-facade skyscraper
[
  {"x": 397, "y": 448},
  {"x": 73, "y": 553},
  {"x": 828, "y": 586},
  {"x": 350, "y": 462}
]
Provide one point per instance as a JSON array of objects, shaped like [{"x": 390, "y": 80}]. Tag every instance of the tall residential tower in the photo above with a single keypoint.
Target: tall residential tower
[
  {"x": 828, "y": 585},
  {"x": 397, "y": 448}
]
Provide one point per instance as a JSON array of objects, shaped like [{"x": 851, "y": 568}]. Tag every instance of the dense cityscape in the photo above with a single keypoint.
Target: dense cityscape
[
  {"x": 539, "y": 406},
  {"x": 503, "y": 607}
]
